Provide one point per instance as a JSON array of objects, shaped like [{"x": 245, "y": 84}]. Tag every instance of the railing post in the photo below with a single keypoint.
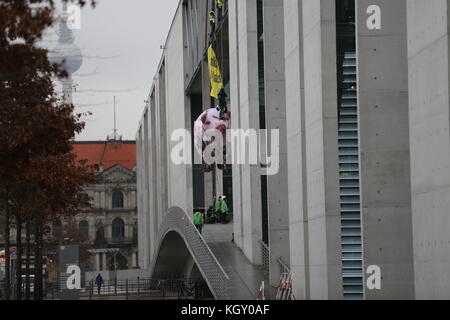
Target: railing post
[
  {"x": 126, "y": 289},
  {"x": 115, "y": 286},
  {"x": 139, "y": 289},
  {"x": 164, "y": 289}
]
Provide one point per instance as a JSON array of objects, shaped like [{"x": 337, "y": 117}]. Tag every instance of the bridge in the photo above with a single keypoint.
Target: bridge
[{"x": 213, "y": 257}]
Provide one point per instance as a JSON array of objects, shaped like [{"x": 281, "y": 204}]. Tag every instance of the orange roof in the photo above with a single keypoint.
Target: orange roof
[{"x": 107, "y": 154}]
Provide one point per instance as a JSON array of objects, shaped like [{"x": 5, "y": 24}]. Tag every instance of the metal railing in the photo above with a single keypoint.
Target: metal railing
[
  {"x": 265, "y": 251},
  {"x": 215, "y": 276},
  {"x": 284, "y": 268},
  {"x": 121, "y": 240},
  {"x": 154, "y": 288},
  {"x": 157, "y": 289}
]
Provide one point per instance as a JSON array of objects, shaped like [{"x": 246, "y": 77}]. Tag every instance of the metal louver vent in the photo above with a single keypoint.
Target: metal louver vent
[{"x": 352, "y": 255}]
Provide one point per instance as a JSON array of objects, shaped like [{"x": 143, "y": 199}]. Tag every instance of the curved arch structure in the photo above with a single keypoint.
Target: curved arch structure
[{"x": 183, "y": 251}]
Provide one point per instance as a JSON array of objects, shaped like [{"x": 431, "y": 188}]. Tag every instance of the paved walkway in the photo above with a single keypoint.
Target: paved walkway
[{"x": 245, "y": 278}]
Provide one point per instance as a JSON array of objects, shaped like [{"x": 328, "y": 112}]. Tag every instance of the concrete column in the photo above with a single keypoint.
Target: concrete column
[
  {"x": 206, "y": 86},
  {"x": 429, "y": 83},
  {"x": 146, "y": 185},
  {"x": 92, "y": 230},
  {"x": 158, "y": 148},
  {"x": 104, "y": 263},
  {"x": 206, "y": 98},
  {"x": 209, "y": 196},
  {"x": 97, "y": 200},
  {"x": 384, "y": 146},
  {"x": 133, "y": 199},
  {"x": 189, "y": 168},
  {"x": 102, "y": 199},
  {"x": 133, "y": 260},
  {"x": 178, "y": 109},
  {"x": 219, "y": 182},
  {"x": 142, "y": 230},
  {"x": 163, "y": 137},
  {"x": 97, "y": 261},
  {"x": 145, "y": 190},
  {"x": 296, "y": 144},
  {"x": 154, "y": 215},
  {"x": 245, "y": 111},
  {"x": 275, "y": 102},
  {"x": 323, "y": 202}
]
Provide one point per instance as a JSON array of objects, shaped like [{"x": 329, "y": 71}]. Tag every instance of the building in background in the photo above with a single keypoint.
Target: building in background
[
  {"x": 359, "y": 91},
  {"x": 111, "y": 225}
]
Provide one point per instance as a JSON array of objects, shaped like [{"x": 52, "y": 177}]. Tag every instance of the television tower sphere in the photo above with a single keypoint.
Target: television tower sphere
[
  {"x": 69, "y": 55},
  {"x": 66, "y": 52}
]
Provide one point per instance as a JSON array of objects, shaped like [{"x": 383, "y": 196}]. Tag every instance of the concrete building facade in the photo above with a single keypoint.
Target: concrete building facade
[{"x": 358, "y": 92}]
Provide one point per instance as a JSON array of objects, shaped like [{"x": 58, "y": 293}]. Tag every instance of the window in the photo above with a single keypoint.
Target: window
[
  {"x": 84, "y": 230},
  {"x": 117, "y": 199},
  {"x": 118, "y": 230}
]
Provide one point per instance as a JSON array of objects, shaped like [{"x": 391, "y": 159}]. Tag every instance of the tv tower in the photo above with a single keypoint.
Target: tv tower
[{"x": 67, "y": 54}]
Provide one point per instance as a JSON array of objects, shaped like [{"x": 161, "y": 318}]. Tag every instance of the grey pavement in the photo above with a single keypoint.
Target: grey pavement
[{"x": 245, "y": 278}]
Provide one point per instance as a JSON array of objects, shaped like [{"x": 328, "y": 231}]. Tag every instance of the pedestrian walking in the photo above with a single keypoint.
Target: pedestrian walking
[
  {"x": 99, "y": 283},
  {"x": 199, "y": 221}
]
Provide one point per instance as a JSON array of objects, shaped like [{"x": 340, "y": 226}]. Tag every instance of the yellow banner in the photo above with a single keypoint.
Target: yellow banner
[{"x": 214, "y": 73}]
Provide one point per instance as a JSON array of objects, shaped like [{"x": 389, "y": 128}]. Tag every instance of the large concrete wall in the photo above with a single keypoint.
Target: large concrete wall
[
  {"x": 245, "y": 112},
  {"x": 296, "y": 146},
  {"x": 428, "y": 57},
  {"x": 179, "y": 192},
  {"x": 384, "y": 139},
  {"x": 323, "y": 204},
  {"x": 163, "y": 183}
]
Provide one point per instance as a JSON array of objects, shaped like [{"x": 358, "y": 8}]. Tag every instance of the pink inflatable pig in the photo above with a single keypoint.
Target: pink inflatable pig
[{"x": 208, "y": 122}]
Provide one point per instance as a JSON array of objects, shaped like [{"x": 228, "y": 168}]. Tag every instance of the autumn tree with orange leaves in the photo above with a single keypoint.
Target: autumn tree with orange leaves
[{"x": 39, "y": 176}]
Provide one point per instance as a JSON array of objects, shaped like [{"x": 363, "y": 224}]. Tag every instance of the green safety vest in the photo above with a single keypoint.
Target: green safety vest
[
  {"x": 218, "y": 205},
  {"x": 219, "y": 3},
  {"x": 198, "y": 218},
  {"x": 223, "y": 206}
]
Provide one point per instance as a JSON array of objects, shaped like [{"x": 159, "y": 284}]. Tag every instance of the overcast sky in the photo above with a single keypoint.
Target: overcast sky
[{"x": 120, "y": 41}]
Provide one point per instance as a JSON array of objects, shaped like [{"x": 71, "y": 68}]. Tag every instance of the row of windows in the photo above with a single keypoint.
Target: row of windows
[
  {"x": 118, "y": 230},
  {"x": 117, "y": 200}
]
